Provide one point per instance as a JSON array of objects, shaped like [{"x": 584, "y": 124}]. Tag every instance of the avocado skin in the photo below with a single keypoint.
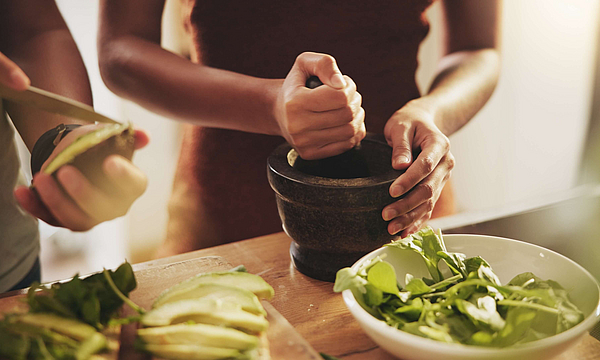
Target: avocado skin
[{"x": 90, "y": 161}]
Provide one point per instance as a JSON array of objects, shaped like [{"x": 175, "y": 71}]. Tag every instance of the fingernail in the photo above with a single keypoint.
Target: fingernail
[
  {"x": 396, "y": 228},
  {"x": 338, "y": 82},
  {"x": 401, "y": 160},
  {"x": 396, "y": 191},
  {"x": 19, "y": 80},
  {"x": 389, "y": 214}
]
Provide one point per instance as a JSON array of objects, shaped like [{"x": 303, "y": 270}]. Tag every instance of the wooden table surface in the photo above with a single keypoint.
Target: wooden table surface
[{"x": 311, "y": 306}]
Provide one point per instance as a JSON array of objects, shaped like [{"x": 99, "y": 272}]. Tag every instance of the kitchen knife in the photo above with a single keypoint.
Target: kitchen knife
[{"x": 53, "y": 103}]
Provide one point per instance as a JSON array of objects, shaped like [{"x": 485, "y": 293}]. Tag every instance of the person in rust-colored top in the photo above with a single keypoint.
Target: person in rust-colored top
[{"x": 244, "y": 93}]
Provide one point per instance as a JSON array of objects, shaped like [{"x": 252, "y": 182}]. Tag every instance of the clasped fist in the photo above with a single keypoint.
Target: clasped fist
[{"x": 324, "y": 121}]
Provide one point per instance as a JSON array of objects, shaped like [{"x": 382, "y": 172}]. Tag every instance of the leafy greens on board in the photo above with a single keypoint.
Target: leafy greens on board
[
  {"x": 469, "y": 307},
  {"x": 64, "y": 319}
]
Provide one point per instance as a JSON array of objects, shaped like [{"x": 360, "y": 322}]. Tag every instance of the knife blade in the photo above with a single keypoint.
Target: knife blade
[{"x": 54, "y": 103}]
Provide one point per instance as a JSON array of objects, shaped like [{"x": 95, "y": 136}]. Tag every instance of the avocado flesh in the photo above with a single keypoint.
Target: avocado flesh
[
  {"x": 250, "y": 282},
  {"x": 205, "y": 311},
  {"x": 193, "y": 352},
  {"x": 245, "y": 298},
  {"x": 198, "y": 334},
  {"x": 86, "y": 142}
]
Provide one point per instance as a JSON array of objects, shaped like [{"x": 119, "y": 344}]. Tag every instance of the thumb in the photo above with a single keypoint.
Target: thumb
[
  {"x": 321, "y": 65},
  {"x": 11, "y": 75}
]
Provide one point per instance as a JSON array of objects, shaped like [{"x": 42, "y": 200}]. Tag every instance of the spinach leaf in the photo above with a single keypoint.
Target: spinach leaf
[
  {"x": 427, "y": 244},
  {"x": 90, "y": 300},
  {"x": 518, "y": 321},
  {"x": 383, "y": 276}
]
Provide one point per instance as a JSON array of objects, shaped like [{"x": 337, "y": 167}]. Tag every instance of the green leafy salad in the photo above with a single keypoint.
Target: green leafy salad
[{"x": 468, "y": 306}]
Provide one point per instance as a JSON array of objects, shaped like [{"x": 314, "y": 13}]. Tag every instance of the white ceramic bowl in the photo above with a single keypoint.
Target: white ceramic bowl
[{"x": 508, "y": 258}]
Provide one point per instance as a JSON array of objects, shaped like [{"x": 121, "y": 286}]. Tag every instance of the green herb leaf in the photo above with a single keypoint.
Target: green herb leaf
[
  {"x": 383, "y": 276},
  {"x": 417, "y": 287},
  {"x": 518, "y": 321}
]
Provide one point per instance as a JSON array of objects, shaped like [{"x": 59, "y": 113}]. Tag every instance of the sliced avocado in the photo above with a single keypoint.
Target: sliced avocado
[
  {"x": 198, "y": 334},
  {"x": 69, "y": 327},
  {"x": 250, "y": 282},
  {"x": 205, "y": 311},
  {"x": 245, "y": 298},
  {"x": 192, "y": 352},
  {"x": 87, "y": 152},
  {"x": 86, "y": 142}
]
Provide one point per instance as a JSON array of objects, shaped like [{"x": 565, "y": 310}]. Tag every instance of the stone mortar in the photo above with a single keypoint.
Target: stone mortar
[{"x": 331, "y": 208}]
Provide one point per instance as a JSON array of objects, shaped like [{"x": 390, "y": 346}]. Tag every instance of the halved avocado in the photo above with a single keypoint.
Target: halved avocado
[
  {"x": 198, "y": 334},
  {"x": 192, "y": 352},
  {"x": 245, "y": 298},
  {"x": 250, "y": 282},
  {"x": 88, "y": 152},
  {"x": 205, "y": 311}
]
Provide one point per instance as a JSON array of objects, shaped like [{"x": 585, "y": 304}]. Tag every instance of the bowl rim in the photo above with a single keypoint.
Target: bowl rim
[
  {"x": 277, "y": 162},
  {"x": 417, "y": 341}
]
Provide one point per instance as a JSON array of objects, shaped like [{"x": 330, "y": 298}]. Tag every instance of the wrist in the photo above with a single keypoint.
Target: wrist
[
  {"x": 274, "y": 106},
  {"x": 429, "y": 108}
]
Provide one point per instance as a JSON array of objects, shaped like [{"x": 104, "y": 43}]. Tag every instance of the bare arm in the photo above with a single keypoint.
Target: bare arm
[
  {"x": 466, "y": 79},
  {"x": 318, "y": 123},
  {"x": 469, "y": 71},
  {"x": 34, "y": 35}
]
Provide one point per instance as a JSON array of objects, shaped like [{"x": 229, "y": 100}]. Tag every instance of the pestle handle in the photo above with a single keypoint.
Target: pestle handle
[{"x": 313, "y": 82}]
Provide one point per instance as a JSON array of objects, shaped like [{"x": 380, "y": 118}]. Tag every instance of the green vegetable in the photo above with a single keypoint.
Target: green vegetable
[
  {"x": 198, "y": 334},
  {"x": 63, "y": 319},
  {"x": 235, "y": 278},
  {"x": 90, "y": 300},
  {"x": 192, "y": 352},
  {"x": 328, "y": 357},
  {"x": 469, "y": 307},
  {"x": 206, "y": 311}
]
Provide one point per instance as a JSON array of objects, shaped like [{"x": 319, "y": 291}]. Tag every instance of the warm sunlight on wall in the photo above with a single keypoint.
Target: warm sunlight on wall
[{"x": 528, "y": 139}]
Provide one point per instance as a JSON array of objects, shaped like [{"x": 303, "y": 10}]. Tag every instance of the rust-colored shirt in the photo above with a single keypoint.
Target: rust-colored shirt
[{"x": 221, "y": 189}]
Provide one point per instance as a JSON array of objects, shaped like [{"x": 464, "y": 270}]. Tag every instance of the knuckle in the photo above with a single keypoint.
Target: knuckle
[
  {"x": 302, "y": 57},
  {"x": 450, "y": 161},
  {"x": 429, "y": 204},
  {"x": 428, "y": 164},
  {"x": 326, "y": 61},
  {"x": 427, "y": 189},
  {"x": 347, "y": 114},
  {"x": 348, "y": 131},
  {"x": 444, "y": 141}
]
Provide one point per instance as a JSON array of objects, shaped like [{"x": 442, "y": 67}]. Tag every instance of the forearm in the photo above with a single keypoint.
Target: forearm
[
  {"x": 464, "y": 83},
  {"x": 40, "y": 43},
  {"x": 141, "y": 71}
]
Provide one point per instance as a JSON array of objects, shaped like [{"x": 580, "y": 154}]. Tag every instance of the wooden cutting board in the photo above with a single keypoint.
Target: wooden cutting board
[{"x": 285, "y": 342}]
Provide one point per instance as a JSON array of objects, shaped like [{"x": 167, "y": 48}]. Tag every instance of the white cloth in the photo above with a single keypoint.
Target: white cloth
[{"x": 19, "y": 234}]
